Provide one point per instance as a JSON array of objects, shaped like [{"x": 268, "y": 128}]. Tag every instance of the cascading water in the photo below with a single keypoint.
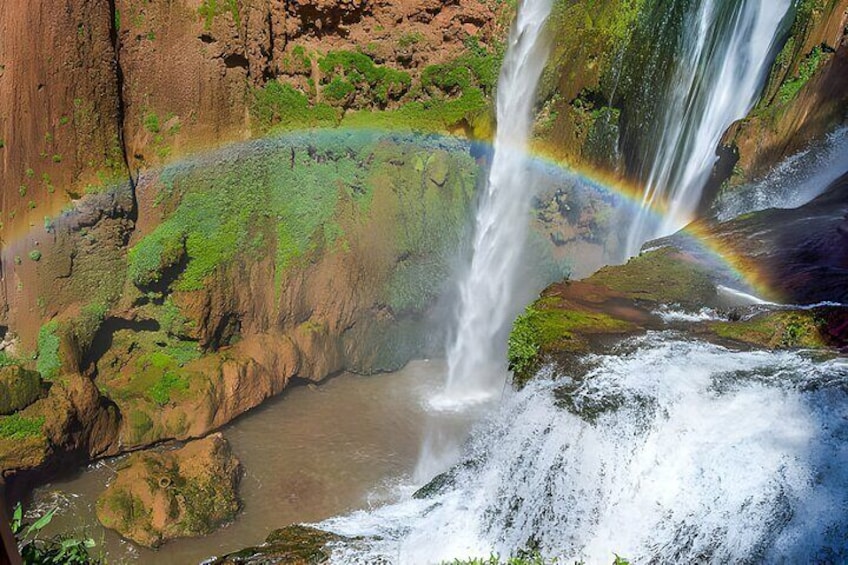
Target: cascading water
[
  {"x": 487, "y": 299},
  {"x": 667, "y": 451},
  {"x": 724, "y": 60}
]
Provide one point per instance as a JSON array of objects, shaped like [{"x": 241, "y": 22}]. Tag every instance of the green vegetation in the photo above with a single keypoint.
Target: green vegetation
[
  {"x": 222, "y": 214},
  {"x": 281, "y": 104},
  {"x": 7, "y": 360},
  {"x": 209, "y": 9},
  {"x": 808, "y": 67},
  {"x": 550, "y": 326},
  {"x": 663, "y": 276},
  {"x": 523, "y": 348},
  {"x": 35, "y": 255},
  {"x": 169, "y": 385},
  {"x": 349, "y": 71},
  {"x": 17, "y": 427},
  {"x": 49, "y": 363},
  {"x": 448, "y": 95},
  {"x": 151, "y": 122},
  {"x": 36, "y": 549},
  {"x": 85, "y": 326},
  {"x": 19, "y": 387},
  {"x": 795, "y": 329}
]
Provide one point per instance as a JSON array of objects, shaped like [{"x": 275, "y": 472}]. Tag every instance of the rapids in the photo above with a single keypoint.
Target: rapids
[{"x": 666, "y": 451}]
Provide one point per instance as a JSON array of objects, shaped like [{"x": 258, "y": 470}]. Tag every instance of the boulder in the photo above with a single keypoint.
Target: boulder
[{"x": 158, "y": 496}]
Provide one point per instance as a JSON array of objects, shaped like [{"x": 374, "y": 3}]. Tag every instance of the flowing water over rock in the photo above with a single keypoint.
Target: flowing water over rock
[
  {"x": 793, "y": 183},
  {"x": 488, "y": 302},
  {"x": 726, "y": 51},
  {"x": 666, "y": 451}
]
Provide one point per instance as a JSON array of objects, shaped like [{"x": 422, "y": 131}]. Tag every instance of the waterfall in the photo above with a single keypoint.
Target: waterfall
[
  {"x": 487, "y": 306},
  {"x": 722, "y": 66},
  {"x": 666, "y": 451}
]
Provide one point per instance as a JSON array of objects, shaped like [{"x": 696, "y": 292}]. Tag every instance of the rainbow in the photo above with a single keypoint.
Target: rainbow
[{"x": 707, "y": 247}]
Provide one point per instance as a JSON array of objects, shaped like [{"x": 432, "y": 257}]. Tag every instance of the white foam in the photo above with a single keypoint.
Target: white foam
[{"x": 669, "y": 452}]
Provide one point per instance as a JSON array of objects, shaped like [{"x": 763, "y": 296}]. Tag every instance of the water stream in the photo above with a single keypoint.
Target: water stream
[
  {"x": 476, "y": 357},
  {"x": 726, "y": 52}
]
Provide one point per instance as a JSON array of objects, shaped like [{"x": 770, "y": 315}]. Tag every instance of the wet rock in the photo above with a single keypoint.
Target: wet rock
[
  {"x": 293, "y": 545},
  {"x": 164, "y": 495}
]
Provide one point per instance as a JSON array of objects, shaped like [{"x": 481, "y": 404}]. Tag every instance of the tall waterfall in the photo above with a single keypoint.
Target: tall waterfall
[
  {"x": 487, "y": 304},
  {"x": 724, "y": 60}
]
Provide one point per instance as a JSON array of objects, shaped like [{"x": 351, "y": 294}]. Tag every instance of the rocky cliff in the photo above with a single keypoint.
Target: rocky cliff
[
  {"x": 159, "y": 303},
  {"x": 154, "y": 286}
]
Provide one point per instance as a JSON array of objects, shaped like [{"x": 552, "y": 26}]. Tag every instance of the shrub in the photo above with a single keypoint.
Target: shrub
[
  {"x": 35, "y": 255},
  {"x": 38, "y": 550}
]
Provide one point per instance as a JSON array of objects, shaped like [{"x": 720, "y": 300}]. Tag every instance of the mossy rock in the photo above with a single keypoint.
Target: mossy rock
[
  {"x": 293, "y": 545},
  {"x": 777, "y": 330},
  {"x": 552, "y": 326},
  {"x": 662, "y": 276},
  {"x": 18, "y": 389},
  {"x": 159, "y": 496}
]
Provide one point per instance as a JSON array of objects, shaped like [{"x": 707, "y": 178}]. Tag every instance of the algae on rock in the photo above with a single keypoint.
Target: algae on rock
[{"x": 158, "y": 496}]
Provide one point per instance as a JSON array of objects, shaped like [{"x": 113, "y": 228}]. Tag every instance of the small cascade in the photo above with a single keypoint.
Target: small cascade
[
  {"x": 725, "y": 56},
  {"x": 487, "y": 296}
]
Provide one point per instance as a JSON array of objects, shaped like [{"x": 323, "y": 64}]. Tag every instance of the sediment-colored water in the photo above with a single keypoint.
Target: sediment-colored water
[{"x": 313, "y": 453}]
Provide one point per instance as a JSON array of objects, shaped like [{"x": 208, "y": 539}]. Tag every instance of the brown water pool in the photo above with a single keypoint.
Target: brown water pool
[{"x": 312, "y": 453}]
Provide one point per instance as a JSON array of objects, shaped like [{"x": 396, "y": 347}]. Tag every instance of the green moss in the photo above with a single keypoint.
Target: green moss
[
  {"x": 18, "y": 388},
  {"x": 775, "y": 330},
  {"x": 140, "y": 425},
  {"x": 35, "y": 255},
  {"x": 18, "y": 427},
  {"x": 808, "y": 67},
  {"x": 151, "y": 122},
  {"x": 170, "y": 384},
  {"x": 293, "y": 197},
  {"x": 663, "y": 276},
  {"x": 49, "y": 363},
  {"x": 7, "y": 360},
  {"x": 210, "y": 9},
  {"x": 547, "y": 326},
  {"x": 358, "y": 72},
  {"x": 281, "y": 105}
]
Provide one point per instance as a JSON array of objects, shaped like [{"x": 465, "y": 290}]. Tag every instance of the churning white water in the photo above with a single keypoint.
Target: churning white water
[
  {"x": 476, "y": 366},
  {"x": 667, "y": 451},
  {"x": 724, "y": 60}
]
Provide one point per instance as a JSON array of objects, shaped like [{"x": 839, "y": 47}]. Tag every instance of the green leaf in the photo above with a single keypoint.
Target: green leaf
[
  {"x": 41, "y": 523},
  {"x": 16, "y": 518}
]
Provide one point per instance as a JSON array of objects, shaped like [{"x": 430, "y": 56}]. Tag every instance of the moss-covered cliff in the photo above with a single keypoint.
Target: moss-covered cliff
[
  {"x": 182, "y": 302},
  {"x": 611, "y": 63}
]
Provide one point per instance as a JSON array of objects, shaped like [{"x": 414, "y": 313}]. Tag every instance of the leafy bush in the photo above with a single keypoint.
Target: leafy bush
[
  {"x": 523, "y": 345},
  {"x": 55, "y": 550},
  {"x": 278, "y": 103},
  {"x": 359, "y": 72}
]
